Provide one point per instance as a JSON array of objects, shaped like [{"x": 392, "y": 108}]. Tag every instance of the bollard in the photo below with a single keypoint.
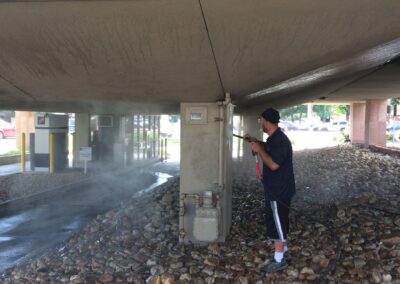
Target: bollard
[
  {"x": 51, "y": 167},
  {"x": 166, "y": 149},
  {"x": 23, "y": 151}
]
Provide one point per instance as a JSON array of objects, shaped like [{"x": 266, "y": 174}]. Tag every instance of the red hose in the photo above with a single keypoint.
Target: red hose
[{"x": 258, "y": 169}]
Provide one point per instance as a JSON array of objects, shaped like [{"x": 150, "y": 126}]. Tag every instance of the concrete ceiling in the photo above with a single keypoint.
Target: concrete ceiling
[{"x": 150, "y": 55}]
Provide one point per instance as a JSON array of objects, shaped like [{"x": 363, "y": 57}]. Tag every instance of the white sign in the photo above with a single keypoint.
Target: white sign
[{"x": 85, "y": 153}]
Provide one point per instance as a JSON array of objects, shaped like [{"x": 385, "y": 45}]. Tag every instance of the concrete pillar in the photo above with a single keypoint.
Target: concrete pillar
[
  {"x": 24, "y": 122},
  {"x": 108, "y": 138},
  {"x": 204, "y": 133},
  {"x": 128, "y": 141},
  {"x": 357, "y": 123},
  {"x": 81, "y": 136},
  {"x": 368, "y": 123},
  {"x": 118, "y": 152},
  {"x": 375, "y": 123}
]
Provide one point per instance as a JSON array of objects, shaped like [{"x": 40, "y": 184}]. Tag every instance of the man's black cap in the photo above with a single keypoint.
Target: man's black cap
[{"x": 271, "y": 115}]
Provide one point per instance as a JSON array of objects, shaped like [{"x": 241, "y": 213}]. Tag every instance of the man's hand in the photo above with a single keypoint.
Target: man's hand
[
  {"x": 257, "y": 147},
  {"x": 248, "y": 138}
]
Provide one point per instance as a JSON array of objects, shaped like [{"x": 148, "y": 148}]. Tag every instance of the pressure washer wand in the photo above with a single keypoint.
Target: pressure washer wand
[
  {"x": 248, "y": 139},
  {"x": 253, "y": 139}
]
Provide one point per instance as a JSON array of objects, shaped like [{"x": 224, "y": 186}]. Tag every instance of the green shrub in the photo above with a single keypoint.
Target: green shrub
[{"x": 345, "y": 137}]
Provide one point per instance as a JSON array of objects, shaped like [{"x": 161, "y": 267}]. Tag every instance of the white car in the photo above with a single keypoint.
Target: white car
[{"x": 338, "y": 125}]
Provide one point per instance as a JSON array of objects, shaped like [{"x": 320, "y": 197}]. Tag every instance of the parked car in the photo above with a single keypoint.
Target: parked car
[
  {"x": 287, "y": 125},
  {"x": 7, "y": 130},
  {"x": 166, "y": 134},
  {"x": 392, "y": 128},
  {"x": 308, "y": 126},
  {"x": 338, "y": 125},
  {"x": 318, "y": 126}
]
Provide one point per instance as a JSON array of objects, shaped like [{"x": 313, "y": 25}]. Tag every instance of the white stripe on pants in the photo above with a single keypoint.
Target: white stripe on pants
[{"x": 274, "y": 207}]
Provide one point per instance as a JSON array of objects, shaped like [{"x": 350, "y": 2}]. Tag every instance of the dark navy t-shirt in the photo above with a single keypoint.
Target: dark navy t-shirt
[{"x": 279, "y": 184}]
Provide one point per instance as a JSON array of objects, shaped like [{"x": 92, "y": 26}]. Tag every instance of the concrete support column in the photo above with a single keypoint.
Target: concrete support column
[
  {"x": 128, "y": 141},
  {"x": 119, "y": 145},
  {"x": 357, "y": 123},
  {"x": 375, "y": 123},
  {"x": 206, "y": 156},
  {"x": 24, "y": 123},
  {"x": 368, "y": 123},
  {"x": 81, "y": 136}
]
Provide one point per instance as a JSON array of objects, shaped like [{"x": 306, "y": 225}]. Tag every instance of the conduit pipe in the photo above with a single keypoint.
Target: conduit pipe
[
  {"x": 183, "y": 196},
  {"x": 219, "y": 208},
  {"x": 222, "y": 105}
]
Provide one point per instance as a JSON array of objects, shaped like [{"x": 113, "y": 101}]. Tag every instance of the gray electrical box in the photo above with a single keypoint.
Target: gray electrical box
[{"x": 207, "y": 220}]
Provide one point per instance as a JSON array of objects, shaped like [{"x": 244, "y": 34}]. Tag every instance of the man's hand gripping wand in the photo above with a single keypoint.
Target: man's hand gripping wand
[{"x": 252, "y": 140}]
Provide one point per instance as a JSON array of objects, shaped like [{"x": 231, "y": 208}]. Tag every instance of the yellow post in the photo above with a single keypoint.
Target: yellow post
[
  {"x": 166, "y": 149},
  {"x": 23, "y": 152},
  {"x": 51, "y": 168}
]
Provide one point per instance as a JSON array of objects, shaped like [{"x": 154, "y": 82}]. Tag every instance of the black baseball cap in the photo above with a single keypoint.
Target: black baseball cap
[{"x": 271, "y": 115}]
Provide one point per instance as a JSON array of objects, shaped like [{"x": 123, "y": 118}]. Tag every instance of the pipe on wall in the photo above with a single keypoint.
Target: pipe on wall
[
  {"x": 182, "y": 197},
  {"x": 222, "y": 105}
]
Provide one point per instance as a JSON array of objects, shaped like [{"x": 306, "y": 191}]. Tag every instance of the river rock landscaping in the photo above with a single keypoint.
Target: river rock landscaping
[{"x": 345, "y": 228}]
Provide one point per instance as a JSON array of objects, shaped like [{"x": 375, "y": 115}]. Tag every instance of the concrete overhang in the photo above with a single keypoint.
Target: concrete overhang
[{"x": 148, "y": 56}]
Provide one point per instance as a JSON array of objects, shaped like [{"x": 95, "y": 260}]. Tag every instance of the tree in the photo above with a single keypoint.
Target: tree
[
  {"x": 7, "y": 115},
  {"x": 394, "y": 102},
  {"x": 293, "y": 113},
  {"x": 323, "y": 111},
  {"x": 173, "y": 118},
  {"x": 344, "y": 109}
]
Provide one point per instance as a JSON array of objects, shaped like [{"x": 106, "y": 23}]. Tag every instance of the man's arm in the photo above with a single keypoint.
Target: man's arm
[{"x": 267, "y": 159}]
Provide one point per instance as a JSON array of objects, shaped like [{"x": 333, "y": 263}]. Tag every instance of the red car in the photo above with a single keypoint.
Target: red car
[{"x": 7, "y": 131}]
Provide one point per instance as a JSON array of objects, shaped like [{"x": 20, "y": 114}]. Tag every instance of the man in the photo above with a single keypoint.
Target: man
[{"x": 279, "y": 186}]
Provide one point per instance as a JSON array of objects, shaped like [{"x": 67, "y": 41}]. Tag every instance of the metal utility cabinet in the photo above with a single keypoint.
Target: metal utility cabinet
[{"x": 45, "y": 125}]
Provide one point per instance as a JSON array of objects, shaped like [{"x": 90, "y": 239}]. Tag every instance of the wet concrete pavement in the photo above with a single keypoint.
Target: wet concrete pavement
[{"x": 30, "y": 226}]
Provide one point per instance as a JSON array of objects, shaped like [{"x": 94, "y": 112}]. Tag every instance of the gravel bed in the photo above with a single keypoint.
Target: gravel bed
[
  {"x": 334, "y": 174},
  {"x": 346, "y": 230}
]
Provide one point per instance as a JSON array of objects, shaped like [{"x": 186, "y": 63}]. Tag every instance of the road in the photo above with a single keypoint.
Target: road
[{"x": 30, "y": 226}]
